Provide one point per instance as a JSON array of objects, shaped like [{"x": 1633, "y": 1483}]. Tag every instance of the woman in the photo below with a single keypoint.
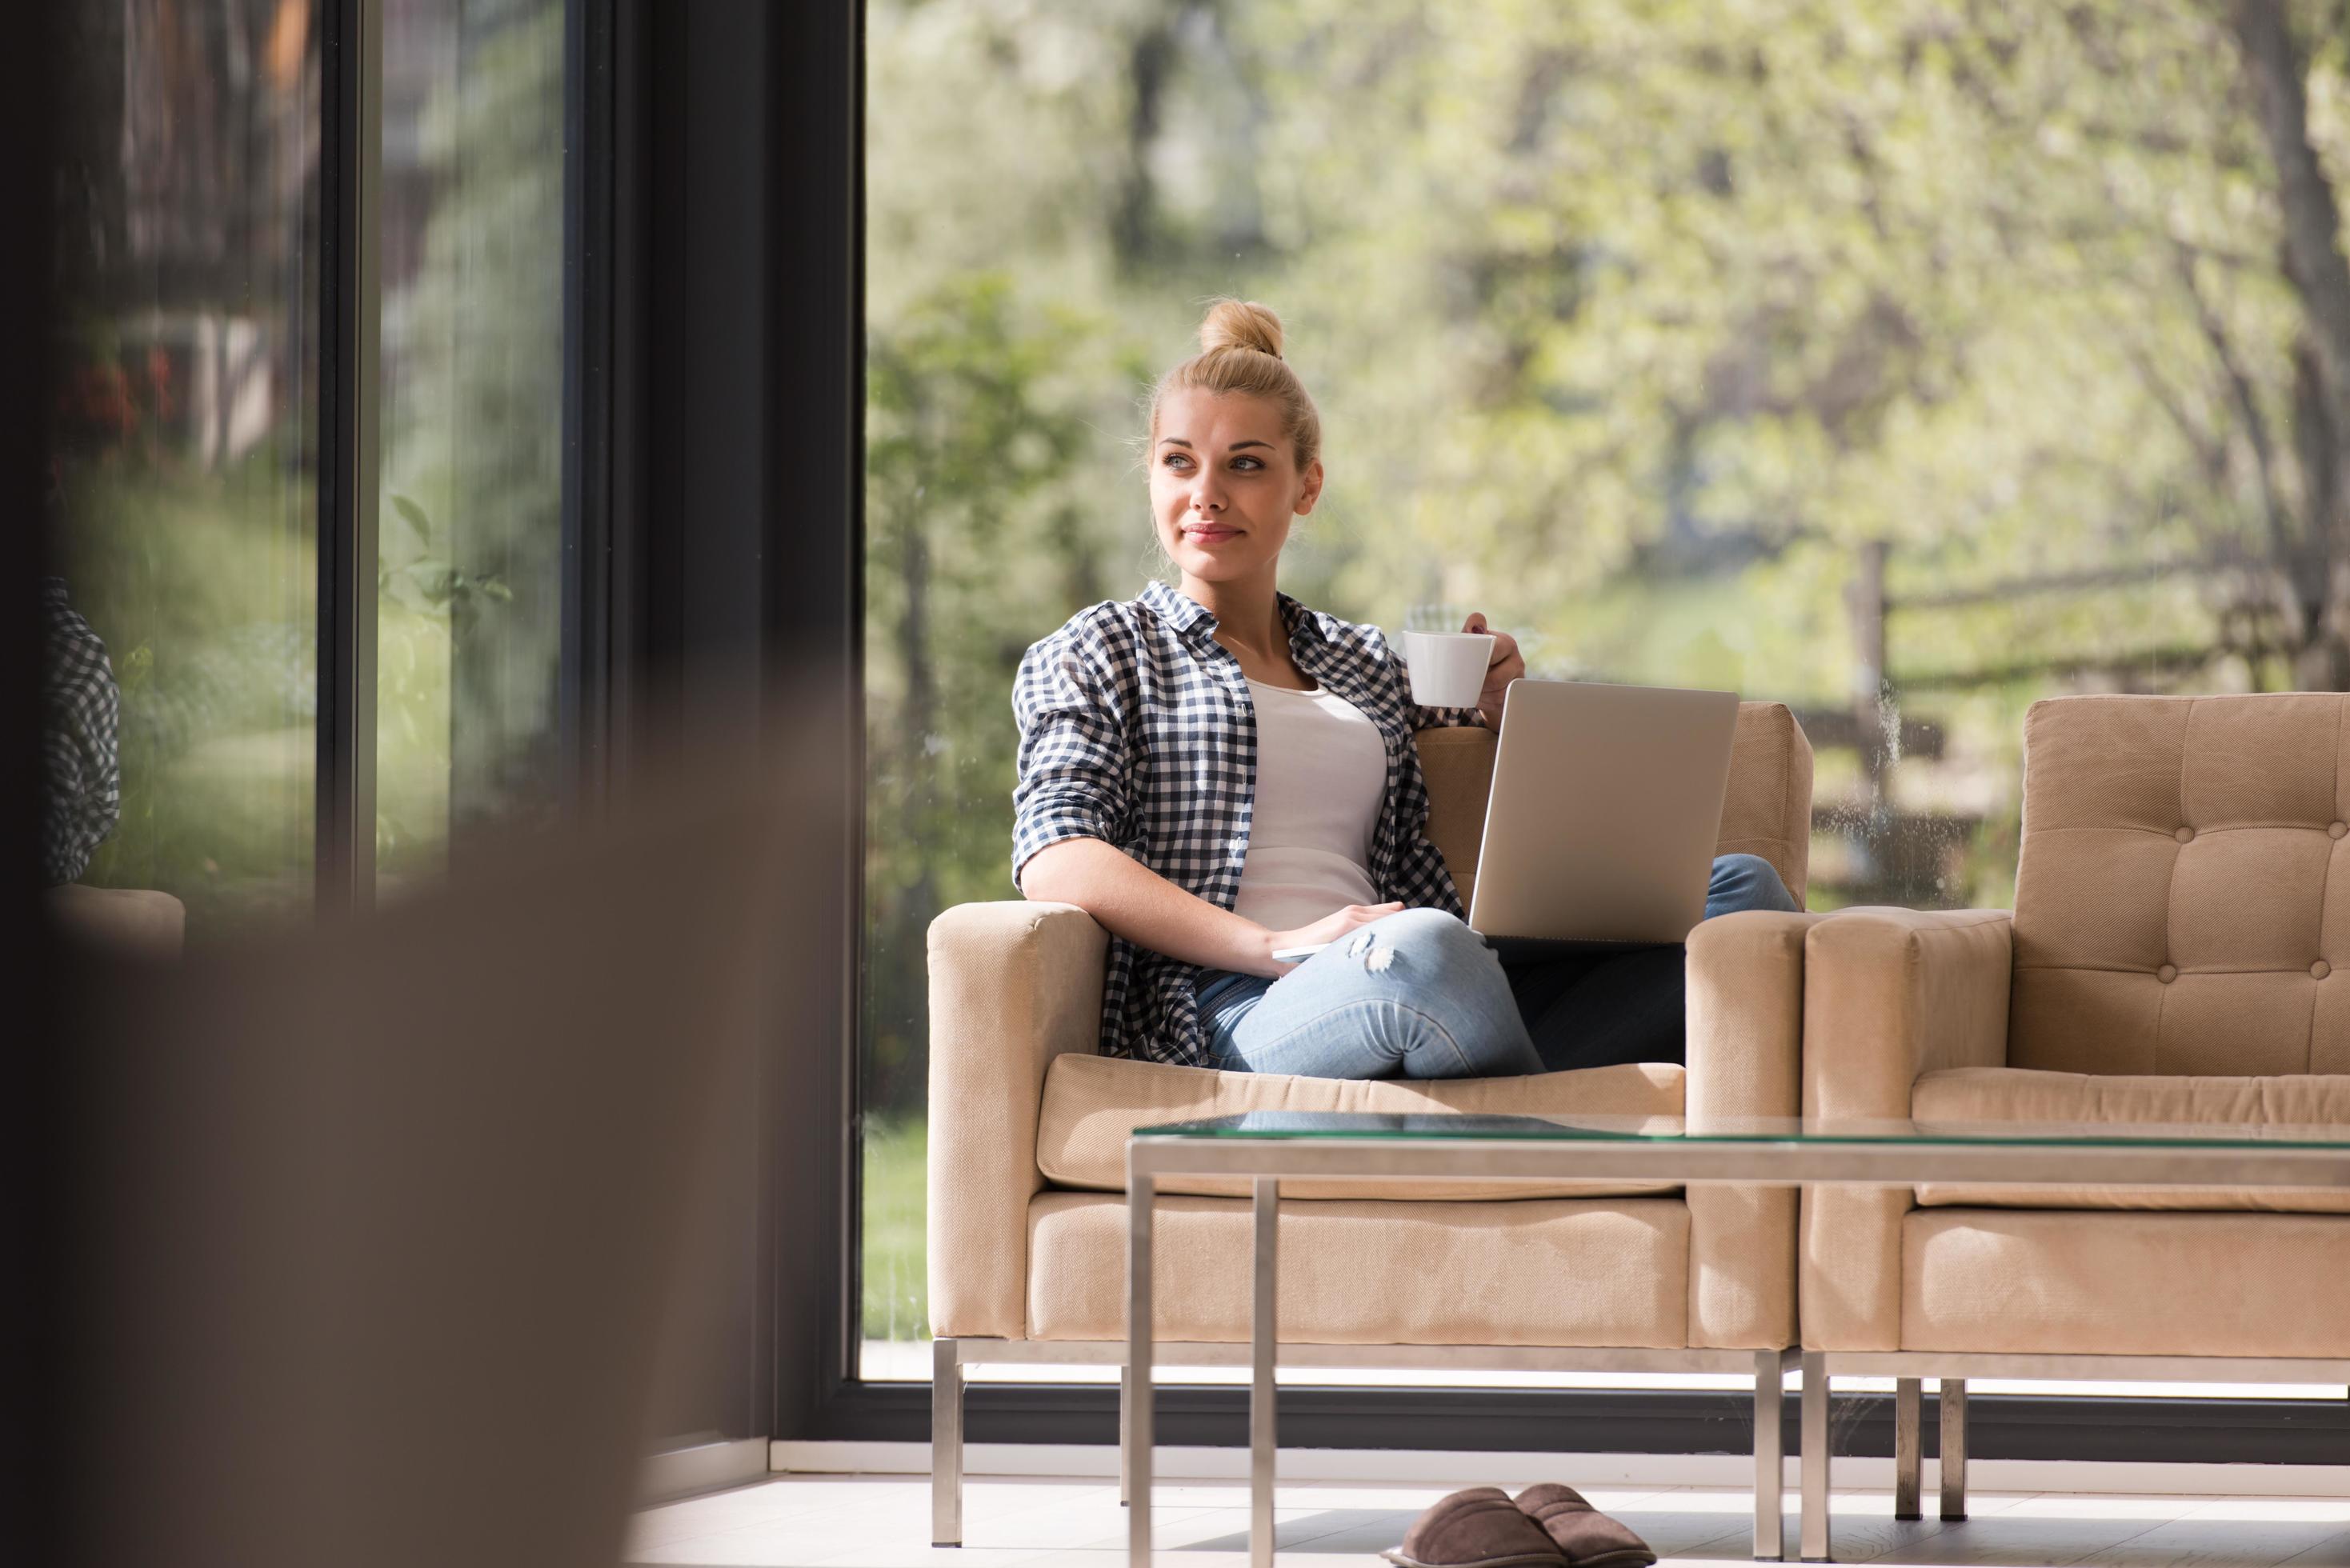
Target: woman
[{"x": 1217, "y": 773}]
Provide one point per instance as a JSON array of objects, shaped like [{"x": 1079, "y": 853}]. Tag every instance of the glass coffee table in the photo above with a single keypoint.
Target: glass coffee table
[{"x": 1267, "y": 1147}]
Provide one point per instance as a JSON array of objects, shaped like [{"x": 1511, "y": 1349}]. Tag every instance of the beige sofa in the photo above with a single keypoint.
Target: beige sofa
[
  {"x": 1028, "y": 1125},
  {"x": 2176, "y": 954}
]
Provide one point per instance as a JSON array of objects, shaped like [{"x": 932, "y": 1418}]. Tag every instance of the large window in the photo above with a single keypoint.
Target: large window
[{"x": 1900, "y": 361}]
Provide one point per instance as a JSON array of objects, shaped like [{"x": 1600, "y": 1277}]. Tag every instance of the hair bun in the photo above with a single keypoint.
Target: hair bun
[{"x": 1240, "y": 324}]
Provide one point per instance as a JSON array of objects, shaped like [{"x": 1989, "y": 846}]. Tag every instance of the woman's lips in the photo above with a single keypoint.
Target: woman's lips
[{"x": 1209, "y": 532}]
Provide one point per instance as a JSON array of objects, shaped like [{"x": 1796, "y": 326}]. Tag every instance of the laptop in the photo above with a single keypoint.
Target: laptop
[
  {"x": 1605, "y": 811},
  {"x": 1601, "y": 826}
]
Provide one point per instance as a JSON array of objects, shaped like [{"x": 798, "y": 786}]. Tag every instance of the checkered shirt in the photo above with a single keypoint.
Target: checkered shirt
[
  {"x": 1136, "y": 728},
  {"x": 81, "y": 769}
]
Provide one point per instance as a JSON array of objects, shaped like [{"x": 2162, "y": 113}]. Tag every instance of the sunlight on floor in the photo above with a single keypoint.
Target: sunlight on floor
[{"x": 877, "y": 1521}]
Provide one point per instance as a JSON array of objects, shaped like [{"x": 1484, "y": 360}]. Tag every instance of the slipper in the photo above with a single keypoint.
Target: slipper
[
  {"x": 1588, "y": 1537},
  {"x": 1479, "y": 1528}
]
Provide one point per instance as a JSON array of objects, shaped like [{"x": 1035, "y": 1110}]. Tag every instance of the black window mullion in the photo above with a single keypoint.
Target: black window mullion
[
  {"x": 350, "y": 355},
  {"x": 590, "y": 174},
  {"x": 814, "y": 620}
]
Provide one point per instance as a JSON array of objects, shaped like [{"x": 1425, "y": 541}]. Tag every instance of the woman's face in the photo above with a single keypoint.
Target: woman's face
[{"x": 1224, "y": 484}]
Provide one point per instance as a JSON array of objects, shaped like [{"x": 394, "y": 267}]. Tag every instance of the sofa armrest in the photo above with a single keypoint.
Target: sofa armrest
[
  {"x": 120, "y": 919},
  {"x": 1012, "y": 985},
  {"x": 1745, "y": 1059},
  {"x": 1889, "y": 994}
]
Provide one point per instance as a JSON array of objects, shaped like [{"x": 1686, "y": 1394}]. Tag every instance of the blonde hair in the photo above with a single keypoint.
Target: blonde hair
[{"x": 1240, "y": 351}]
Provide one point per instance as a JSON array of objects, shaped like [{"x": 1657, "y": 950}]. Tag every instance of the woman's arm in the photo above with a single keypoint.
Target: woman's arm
[
  {"x": 1137, "y": 903},
  {"x": 1071, "y": 811}
]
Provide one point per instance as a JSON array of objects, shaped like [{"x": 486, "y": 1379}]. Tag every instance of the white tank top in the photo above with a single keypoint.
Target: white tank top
[{"x": 1321, "y": 779}]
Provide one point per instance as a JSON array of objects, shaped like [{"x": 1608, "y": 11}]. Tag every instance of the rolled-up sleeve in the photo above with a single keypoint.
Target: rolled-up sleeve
[
  {"x": 1442, "y": 718},
  {"x": 1073, "y": 766}
]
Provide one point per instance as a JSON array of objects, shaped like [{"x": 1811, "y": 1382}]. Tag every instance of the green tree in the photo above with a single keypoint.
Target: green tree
[{"x": 973, "y": 543}]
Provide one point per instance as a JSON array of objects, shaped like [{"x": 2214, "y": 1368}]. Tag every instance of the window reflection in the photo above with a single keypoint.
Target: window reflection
[
  {"x": 184, "y": 476},
  {"x": 470, "y": 534},
  {"x": 183, "y": 481}
]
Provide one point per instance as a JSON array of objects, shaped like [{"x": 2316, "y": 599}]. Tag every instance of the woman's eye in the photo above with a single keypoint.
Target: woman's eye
[
  {"x": 1247, "y": 464},
  {"x": 1176, "y": 460}
]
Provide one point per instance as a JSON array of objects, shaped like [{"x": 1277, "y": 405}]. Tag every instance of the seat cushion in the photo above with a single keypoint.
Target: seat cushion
[
  {"x": 2124, "y": 1284},
  {"x": 1549, "y": 1272},
  {"x": 1997, "y": 1094},
  {"x": 1093, "y": 1103}
]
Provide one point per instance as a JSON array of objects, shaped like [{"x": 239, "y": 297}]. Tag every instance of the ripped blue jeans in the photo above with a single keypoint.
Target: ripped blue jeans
[{"x": 1420, "y": 995}]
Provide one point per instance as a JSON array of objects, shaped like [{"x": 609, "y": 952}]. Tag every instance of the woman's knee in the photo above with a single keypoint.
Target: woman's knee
[
  {"x": 1436, "y": 940},
  {"x": 1746, "y": 882},
  {"x": 1466, "y": 1022}
]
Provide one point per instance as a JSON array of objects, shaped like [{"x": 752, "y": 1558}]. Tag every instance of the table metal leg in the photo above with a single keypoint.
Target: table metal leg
[
  {"x": 1124, "y": 1436},
  {"x": 1139, "y": 1368},
  {"x": 946, "y": 1444},
  {"x": 1264, "y": 1336},
  {"x": 1816, "y": 1456},
  {"x": 1909, "y": 1447},
  {"x": 1954, "y": 1448},
  {"x": 1770, "y": 1459}
]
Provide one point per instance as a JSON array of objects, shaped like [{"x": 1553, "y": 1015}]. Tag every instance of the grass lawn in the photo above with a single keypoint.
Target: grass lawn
[{"x": 897, "y": 1298}]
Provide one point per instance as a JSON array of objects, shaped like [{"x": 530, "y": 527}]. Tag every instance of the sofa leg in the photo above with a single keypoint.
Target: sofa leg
[
  {"x": 1125, "y": 1440},
  {"x": 1770, "y": 1458},
  {"x": 946, "y": 1444},
  {"x": 1816, "y": 1456},
  {"x": 1908, "y": 1448},
  {"x": 1954, "y": 1448}
]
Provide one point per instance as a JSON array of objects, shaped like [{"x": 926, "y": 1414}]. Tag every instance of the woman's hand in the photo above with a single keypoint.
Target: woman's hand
[
  {"x": 1507, "y": 664},
  {"x": 1330, "y": 928}
]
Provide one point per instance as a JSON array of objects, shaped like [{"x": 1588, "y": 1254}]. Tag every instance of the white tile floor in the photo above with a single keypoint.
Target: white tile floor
[{"x": 883, "y": 1522}]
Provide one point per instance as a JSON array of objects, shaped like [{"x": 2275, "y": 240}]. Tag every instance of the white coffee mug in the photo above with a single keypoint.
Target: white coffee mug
[{"x": 1448, "y": 668}]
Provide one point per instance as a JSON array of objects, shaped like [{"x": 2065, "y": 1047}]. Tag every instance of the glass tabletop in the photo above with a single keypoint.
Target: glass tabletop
[{"x": 1343, "y": 1125}]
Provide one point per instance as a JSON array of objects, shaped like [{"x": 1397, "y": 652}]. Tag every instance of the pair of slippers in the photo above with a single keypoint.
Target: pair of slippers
[{"x": 1547, "y": 1526}]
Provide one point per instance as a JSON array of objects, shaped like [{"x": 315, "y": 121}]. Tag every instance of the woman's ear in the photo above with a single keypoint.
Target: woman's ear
[{"x": 1312, "y": 492}]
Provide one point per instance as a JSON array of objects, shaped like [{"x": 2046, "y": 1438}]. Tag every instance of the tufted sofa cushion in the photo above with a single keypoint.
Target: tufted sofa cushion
[{"x": 2183, "y": 903}]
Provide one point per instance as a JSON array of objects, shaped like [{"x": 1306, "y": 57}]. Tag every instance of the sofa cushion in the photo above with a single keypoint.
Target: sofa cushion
[
  {"x": 1092, "y": 1103},
  {"x": 2182, "y": 900},
  {"x": 1355, "y": 1273},
  {"x": 2124, "y": 1284},
  {"x": 1997, "y": 1094}
]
